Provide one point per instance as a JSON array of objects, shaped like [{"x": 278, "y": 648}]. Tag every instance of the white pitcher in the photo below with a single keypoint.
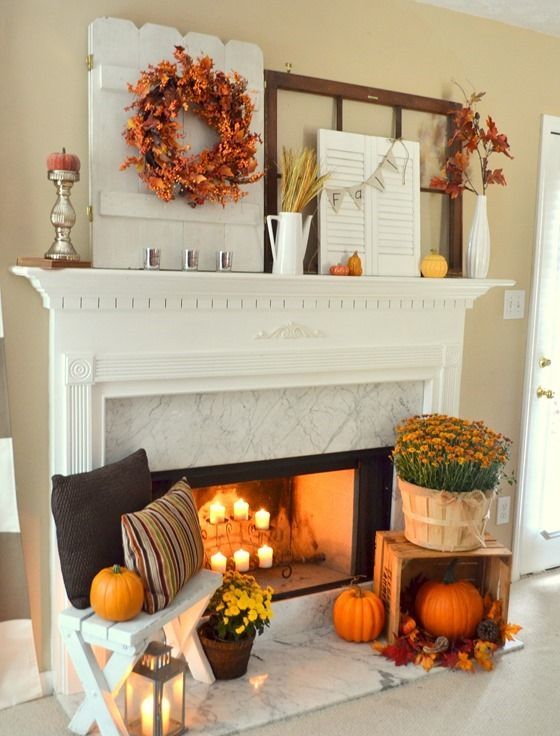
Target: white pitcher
[{"x": 288, "y": 249}]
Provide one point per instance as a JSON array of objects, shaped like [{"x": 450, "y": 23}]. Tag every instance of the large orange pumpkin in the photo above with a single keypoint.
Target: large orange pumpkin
[
  {"x": 451, "y": 608},
  {"x": 116, "y": 594},
  {"x": 358, "y": 615}
]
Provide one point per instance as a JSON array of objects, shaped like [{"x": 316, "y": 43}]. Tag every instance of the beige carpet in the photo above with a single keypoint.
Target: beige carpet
[{"x": 520, "y": 697}]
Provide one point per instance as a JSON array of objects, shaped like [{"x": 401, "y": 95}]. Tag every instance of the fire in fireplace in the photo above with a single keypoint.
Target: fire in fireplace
[{"x": 299, "y": 524}]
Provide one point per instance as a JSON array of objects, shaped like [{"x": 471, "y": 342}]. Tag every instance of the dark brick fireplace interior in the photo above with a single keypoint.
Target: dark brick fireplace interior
[{"x": 324, "y": 512}]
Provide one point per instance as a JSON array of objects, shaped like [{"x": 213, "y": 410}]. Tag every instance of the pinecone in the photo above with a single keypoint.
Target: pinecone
[{"x": 488, "y": 630}]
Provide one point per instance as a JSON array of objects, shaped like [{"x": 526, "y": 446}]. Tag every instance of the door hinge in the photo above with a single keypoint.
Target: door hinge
[
  {"x": 89, "y": 62},
  {"x": 89, "y": 213}
]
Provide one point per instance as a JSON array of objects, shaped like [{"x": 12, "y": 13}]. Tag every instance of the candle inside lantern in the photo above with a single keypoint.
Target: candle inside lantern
[
  {"x": 147, "y": 716},
  {"x": 265, "y": 556},
  {"x": 262, "y": 519},
  {"x": 217, "y": 513},
  {"x": 241, "y": 510},
  {"x": 218, "y": 562},
  {"x": 241, "y": 559}
]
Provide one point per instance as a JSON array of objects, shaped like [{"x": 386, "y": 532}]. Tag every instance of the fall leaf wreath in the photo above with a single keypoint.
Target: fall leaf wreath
[{"x": 220, "y": 100}]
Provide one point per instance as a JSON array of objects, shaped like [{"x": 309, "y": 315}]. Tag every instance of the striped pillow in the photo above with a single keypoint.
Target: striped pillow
[{"x": 163, "y": 543}]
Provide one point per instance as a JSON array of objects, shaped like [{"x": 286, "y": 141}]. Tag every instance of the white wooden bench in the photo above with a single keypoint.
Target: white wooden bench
[{"x": 83, "y": 629}]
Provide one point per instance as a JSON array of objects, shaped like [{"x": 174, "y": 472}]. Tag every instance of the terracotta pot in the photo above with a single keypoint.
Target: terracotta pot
[
  {"x": 228, "y": 659},
  {"x": 444, "y": 520}
]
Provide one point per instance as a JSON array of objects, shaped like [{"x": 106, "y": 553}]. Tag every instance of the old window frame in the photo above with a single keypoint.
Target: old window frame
[{"x": 339, "y": 92}]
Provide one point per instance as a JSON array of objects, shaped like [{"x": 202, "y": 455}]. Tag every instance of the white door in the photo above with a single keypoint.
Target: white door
[{"x": 538, "y": 523}]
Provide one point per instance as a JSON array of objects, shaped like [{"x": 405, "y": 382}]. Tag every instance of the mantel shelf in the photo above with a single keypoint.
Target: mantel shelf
[{"x": 68, "y": 288}]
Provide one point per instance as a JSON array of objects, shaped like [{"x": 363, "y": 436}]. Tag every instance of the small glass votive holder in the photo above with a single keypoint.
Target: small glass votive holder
[
  {"x": 152, "y": 259},
  {"x": 224, "y": 260},
  {"x": 190, "y": 260}
]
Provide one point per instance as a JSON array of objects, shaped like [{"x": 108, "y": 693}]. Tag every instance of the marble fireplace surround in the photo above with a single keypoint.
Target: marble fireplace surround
[{"x": 158, "y": 339}]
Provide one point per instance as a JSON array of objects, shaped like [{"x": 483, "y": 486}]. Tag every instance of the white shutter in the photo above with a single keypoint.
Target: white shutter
[
  {"x": 386, "y": 231},
  {"x": 127, "y": 216},
  {"x": 341, "y": 233}
]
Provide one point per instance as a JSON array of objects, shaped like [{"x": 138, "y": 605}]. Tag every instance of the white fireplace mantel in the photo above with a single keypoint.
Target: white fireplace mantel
[
  {"x": 122, "y": 333},
  {"x": 113, "y": 289},
  {"x": 117, "y": 334}
]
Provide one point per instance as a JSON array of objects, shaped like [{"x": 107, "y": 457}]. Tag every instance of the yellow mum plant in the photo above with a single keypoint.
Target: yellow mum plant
[
  {"x": 240, "y": 608},
  {"x": 449, "y": 454}
]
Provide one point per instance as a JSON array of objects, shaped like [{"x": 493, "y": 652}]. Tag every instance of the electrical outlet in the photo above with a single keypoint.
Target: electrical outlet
[
  {"x": 514, "y": 304},
  {"x": 503, "y": 508}
]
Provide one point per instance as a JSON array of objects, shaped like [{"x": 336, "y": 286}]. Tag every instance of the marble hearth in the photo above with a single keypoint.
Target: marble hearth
[{"x": 205, "y": 368}]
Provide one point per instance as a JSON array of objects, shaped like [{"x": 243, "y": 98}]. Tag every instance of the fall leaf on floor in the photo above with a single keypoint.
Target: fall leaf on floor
[
  {"x": 483, "y": 653},
  {"x": 426, "y": 660},
  {"x": 464, "y": 662},
  {"x": 449, "y": 659},
  {"x": 508, "y": 631},
  {"x": 378, "y": 646},
  {"x": 400, "y": 652},
  {"x": 495, "y": 612}
]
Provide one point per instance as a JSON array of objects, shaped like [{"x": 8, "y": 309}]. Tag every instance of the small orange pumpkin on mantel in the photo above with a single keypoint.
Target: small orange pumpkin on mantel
[
  {"x": 355, "y": 264},
  {"x": 434, "y": 266},
  {"x": 117, "y": 594},
  {"x": 451, "y": 608},
  {"x": 358, "y": 615},
  {"x": 339, "y": 269}
]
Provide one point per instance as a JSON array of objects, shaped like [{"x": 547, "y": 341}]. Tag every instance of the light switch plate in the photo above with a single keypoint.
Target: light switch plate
[
  {"x": 514, "y": 304},
  {"x": 503, "y": 507}
]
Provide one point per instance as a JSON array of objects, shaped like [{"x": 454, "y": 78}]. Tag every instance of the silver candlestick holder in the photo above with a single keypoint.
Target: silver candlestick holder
[{"x": 63, "y": 216}]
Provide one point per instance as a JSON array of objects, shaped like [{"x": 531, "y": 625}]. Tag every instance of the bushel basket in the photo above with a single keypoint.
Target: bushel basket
[{"x": 444, "y": 520}]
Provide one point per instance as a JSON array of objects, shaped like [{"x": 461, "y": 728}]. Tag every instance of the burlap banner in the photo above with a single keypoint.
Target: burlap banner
[{"x": 336, "y": 195}]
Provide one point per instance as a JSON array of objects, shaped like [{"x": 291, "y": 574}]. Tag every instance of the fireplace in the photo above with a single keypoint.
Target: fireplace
[
  {"x": 324, "y": 512},
  {"x": 307, "y": 353}
]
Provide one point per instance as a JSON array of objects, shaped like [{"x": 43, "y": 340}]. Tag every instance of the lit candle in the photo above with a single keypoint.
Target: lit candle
[
  {"x": 262, "y": 519},
  {"x": 241, "y": 558},
  {"x": 241, "y": 510},
  {"x": 265, "y": 556},
  {"x": 147, "y": 716},
  {"x": 217, "y": 513},
  {"x": 218, "y": 562}
]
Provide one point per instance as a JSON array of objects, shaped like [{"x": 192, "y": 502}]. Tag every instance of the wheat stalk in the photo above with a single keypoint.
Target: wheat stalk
[{"x": 301, "y": 180}]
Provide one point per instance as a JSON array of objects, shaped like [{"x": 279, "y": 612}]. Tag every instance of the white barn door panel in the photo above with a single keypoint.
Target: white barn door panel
[
  {"x": 385, "y": 231},
  {"x": 127, "y": 216}
]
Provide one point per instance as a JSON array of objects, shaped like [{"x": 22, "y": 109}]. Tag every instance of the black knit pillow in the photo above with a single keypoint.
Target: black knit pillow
[{"x": 87, "y": 509}]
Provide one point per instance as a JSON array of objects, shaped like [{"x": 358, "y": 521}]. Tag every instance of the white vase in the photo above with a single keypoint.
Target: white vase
[{"x": 478, "y": 245}]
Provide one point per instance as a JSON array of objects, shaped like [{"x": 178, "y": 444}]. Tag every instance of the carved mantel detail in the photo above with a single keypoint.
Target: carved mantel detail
[{"x": 290, "y": 331}]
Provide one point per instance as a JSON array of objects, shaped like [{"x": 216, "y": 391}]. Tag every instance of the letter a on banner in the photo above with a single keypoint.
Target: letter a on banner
[{"x": 357, "y": 195}]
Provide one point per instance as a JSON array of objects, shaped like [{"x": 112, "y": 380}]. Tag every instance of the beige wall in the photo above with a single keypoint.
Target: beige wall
[{"x": 393, "y": 44}]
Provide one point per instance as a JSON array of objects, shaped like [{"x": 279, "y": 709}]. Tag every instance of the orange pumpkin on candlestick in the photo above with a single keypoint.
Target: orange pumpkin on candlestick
[{"x": 63, "y": 162}]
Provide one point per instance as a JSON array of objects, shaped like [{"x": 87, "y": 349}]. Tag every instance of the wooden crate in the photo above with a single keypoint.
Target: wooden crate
[{"x": 398, "y": 561}]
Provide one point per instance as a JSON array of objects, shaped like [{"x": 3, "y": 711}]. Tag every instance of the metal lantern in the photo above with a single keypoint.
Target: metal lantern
[{"x": 155, "y": 694}]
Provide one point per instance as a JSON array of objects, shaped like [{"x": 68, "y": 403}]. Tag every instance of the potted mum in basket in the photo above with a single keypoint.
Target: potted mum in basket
[
  {"x": 448, "y": 470},
  {"x": 238, "y": 611}
]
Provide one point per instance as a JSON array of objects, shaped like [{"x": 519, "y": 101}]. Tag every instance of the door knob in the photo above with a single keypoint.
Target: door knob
[
  {"x": 544, "y": 362},
  {"x": 546, "y": 393}
]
